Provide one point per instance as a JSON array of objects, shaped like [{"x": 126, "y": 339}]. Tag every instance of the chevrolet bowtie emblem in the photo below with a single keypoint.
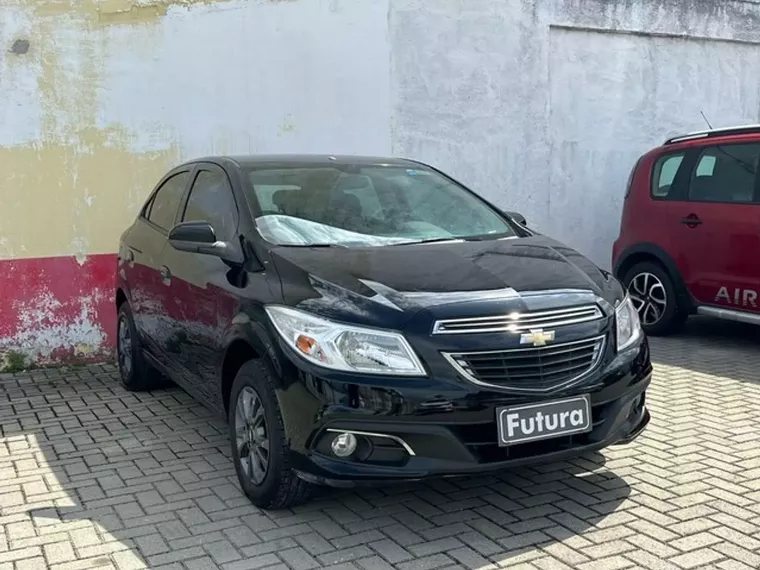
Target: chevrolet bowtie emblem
[{"x": 537, "y": 337}]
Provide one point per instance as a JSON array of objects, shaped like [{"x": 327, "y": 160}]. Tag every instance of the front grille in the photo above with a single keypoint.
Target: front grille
[
  {"x": 530, "y": 369},
  {"x": 520, "y": 322}
]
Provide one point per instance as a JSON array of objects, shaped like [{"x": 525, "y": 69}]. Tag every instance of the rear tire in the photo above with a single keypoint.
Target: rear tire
[
  {"x": 258, "y": 443},
  {"x": 136, "y": 374},
  {"x": 654, "y": 295}
]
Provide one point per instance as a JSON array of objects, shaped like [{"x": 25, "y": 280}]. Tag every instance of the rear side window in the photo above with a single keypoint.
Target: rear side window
[
  {"x": 725, "y": 173},
  {"x": 162, "y": 210},
  {"x": 665, "y": 170},
  {"x": 211, "y": 201}
]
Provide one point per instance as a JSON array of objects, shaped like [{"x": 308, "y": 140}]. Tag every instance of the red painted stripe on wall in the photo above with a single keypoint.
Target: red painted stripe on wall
[{"x": 55, "y": 309}]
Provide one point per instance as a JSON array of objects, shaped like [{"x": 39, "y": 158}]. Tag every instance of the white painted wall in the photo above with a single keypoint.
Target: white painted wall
[
  {"x": 544, "y": 106},
  {"x": 540, "y": 105},
  {"x": 250, "y": 77}
]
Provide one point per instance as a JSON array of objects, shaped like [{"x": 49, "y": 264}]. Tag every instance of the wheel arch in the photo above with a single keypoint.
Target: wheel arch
[
  {"x": 653, "y": 253},
  {"x": 245, "y": 342},
  {"x": 238, "y": 353}
]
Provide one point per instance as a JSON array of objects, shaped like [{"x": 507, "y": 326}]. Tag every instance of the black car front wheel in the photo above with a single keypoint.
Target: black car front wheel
[
  {"x": 653, "y": 294},
  {"x": 136, "y": 374},
  {"x": 259, "y": 446}
]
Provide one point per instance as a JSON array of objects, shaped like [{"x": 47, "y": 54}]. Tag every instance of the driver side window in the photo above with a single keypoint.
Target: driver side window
[{"x": 211, "y": 200}]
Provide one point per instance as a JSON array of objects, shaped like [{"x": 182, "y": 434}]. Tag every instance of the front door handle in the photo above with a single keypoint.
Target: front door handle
[
  {"x": 166, "y": 275},
  {"x": 692, "y": 221}
]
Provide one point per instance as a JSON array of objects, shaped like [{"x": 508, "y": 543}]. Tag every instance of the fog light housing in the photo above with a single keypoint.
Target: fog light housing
[{"x": 344, "y": 444}]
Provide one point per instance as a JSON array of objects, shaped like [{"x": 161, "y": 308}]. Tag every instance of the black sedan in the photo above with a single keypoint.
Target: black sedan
[{"x": 364, "y": 320}]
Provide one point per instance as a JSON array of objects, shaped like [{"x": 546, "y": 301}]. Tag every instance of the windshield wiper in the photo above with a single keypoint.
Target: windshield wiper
[
  {"x": 420, "y": 241},
  {"x": 481, "y": 237},
  {"x": 313, "y": 245}
]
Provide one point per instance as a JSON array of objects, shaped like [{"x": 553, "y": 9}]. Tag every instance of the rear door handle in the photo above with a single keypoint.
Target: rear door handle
[
  {"x": 166, "y": 275},
  {"x": 692, "y": 220}
]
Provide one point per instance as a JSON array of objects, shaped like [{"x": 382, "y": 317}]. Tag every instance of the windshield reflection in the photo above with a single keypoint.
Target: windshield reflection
[{"x": 367, "y": 206}]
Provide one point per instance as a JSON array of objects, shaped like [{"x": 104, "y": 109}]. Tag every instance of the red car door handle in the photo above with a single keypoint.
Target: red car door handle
[
  {"x": 166, "y": 275},
  {"x": 692, "y": 220}
]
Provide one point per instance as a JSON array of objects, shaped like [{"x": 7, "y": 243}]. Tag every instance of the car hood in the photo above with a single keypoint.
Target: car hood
[{"x": 386, "y": 286}]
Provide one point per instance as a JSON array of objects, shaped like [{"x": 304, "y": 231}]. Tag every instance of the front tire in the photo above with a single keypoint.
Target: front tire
[
  {"x": 136, "y": 374},
  {"x": 258, "y": 443},
  {"x": 654, "y": 295}
]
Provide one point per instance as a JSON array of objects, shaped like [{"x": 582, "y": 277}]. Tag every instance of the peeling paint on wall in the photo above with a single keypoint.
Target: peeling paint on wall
[
  {"x": 112, "y": 11},
  {"x": 134, "y": 11},
  {"x": 66, "y": 312},
  {"x": 42, "y": 331},
  {"x": 101, "y": 97},
  {"x": 20, "y": 47},
  {"x": 56, "y": 174},
  {"x": 74, "y": 159},
  {"x": 288, "y": 125}
]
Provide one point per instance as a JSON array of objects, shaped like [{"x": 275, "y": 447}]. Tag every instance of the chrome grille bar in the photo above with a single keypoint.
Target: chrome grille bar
[
  {"x": 531, "y": 369},
  {"x": 520, "y": 322}
]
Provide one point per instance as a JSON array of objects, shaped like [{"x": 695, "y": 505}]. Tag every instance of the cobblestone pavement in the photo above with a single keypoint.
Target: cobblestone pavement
[{"x": 94, "y": 477}]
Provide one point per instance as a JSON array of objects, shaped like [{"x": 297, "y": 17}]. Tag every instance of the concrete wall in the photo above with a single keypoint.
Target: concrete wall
[{"x": 542, "y": 106}]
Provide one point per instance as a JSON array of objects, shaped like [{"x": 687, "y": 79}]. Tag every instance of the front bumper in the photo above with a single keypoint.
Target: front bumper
[{"x": 430, "y": 428}]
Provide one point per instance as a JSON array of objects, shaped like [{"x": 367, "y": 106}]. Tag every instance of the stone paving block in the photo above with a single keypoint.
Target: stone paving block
[
  {"x": 58, "y": 552},
  {"x": 94, "y": 477}
]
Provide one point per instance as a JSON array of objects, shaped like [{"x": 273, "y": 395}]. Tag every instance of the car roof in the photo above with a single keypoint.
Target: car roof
[
  {"x": 254, "y": 160},
  {"x": 712, "y": 133}
]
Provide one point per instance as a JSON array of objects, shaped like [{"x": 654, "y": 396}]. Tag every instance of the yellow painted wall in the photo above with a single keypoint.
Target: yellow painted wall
[
  {"x": 98, "y": 99},
  {"x": 72, "y": 190},
  {"x": 112, "y": 93}
]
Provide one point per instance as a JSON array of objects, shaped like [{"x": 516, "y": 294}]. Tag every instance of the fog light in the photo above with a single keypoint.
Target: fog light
[{"x": 344, "y": 444}]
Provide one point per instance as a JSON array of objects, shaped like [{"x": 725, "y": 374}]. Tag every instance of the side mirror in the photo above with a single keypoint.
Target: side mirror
[
  {"x": 518, "y": 217},
  {"x": 199, "y": 237},
  {"x": 193, "y": 234}
]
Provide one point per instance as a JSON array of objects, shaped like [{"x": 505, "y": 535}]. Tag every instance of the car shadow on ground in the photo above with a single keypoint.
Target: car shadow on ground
[
  {"x": 91, "y": 472},
  {"x": 714, "y": 347}
]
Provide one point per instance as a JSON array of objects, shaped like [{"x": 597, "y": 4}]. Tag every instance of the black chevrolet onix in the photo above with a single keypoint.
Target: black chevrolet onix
[{"x": 366, "y": 320}]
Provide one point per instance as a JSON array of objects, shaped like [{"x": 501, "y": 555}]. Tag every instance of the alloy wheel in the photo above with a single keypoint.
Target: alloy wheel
[
  {"x": 649, "y": 297},
  {"x": 252, "y": 435},
  {"x": 124, "y": 348}
]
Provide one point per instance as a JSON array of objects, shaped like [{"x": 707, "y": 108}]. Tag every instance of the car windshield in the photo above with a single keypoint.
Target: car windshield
[{"x": 367, "y": 206}]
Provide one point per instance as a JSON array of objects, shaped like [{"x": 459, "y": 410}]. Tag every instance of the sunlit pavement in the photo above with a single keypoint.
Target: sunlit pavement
[{"x": 92, "y": 476}]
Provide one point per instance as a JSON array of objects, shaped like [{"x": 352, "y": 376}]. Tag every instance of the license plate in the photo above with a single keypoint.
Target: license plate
[{"x": 544, "y": 420}]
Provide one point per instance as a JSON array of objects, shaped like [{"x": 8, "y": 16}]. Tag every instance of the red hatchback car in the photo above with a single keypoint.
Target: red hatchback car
[{"x": 690, "y": 230}]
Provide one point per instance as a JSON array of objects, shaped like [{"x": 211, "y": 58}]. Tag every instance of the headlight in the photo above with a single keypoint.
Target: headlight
[
  {"x": 345, "y": 347},
  {"x": 628, "y": 324}
]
